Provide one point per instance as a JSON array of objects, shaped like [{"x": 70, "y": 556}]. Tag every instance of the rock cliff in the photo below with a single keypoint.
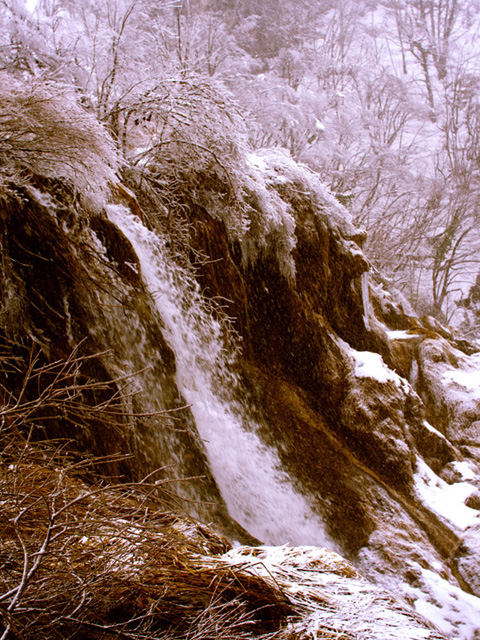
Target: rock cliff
[{"x": 369, "y": 414}]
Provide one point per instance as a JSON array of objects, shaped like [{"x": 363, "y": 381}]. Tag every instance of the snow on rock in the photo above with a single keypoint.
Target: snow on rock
[
  {"x": 270, "y": 222},
  {"x": 402, "y": 335},
  {"x": 436, "y": 432},
  {"x": 464, "y": 469},
  {"x": 371, "y": 365},
  {"x": 449, "y": 385},
  {"x": 278, "y": 167},
  {"x": 448, "y": 500},
  {"x": 467, "y": 559},
  {"x": 467, "y": 378}
]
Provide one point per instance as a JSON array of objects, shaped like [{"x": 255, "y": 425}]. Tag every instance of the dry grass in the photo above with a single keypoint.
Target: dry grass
[
  {"x": 89, "y": 561},
  {"x": 85, "y": 556}
]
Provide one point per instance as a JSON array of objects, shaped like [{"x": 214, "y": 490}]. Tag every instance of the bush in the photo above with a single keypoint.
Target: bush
[{"x": 44, "y": 131}]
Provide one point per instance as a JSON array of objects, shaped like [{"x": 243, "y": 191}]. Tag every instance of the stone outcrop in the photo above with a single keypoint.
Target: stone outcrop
[
  {"x": 71, "y": 289},
  {"x": 350, "y": 390}
]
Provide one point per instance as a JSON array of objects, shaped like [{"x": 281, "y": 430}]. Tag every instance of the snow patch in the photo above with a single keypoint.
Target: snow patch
[
  {"x": 371, "y": 365},
  {"x": 455, "y": 612},
  {"x": 468, "y": 377},
  {"x": 402, "y": 335},
  {"x": 464, "y": 469},
  {"x": 469, "y": 380},
  {"x": 256, "y": 162},
  {"x": 447, "y": 500},
  {"x": 435, "y": 431}
]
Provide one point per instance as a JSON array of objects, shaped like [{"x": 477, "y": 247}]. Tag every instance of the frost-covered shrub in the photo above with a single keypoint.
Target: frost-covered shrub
[
  {"x": 190, "y": 143},
  {"x": 44, "y": 131}
]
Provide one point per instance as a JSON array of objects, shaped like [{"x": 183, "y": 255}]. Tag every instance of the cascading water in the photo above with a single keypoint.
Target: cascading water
[{"x": 257, "y": 492}]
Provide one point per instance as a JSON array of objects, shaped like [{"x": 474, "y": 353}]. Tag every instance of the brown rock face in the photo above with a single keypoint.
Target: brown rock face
[
  {"x": 473, "y": 501},
  {"x": 71, "y": 285},
  {"x": 346, "y": 441},
  {"x": 349, "y": 441},
  {"x": 294, "y": 299}
]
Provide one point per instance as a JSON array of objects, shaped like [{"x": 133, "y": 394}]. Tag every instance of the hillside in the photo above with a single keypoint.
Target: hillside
[{"x": 208, "y": 312}]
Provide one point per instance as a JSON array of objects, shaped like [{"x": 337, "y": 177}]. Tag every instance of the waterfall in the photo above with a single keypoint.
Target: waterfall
[{"x": 258, "y": 493}]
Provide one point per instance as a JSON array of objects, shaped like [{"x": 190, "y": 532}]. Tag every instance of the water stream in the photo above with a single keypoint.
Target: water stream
[{"x": 258, "y": 494}]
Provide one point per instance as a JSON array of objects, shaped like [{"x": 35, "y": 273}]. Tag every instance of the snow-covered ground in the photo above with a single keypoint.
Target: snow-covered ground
[
  {"x": 454, "y": 612},
  {"x": 333, "y": 595}
]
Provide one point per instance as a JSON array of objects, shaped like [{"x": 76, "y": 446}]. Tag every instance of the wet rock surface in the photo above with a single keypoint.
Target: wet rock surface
[
  {"x": 72, "y": 283},
  {"x": 349, "y": 437}
]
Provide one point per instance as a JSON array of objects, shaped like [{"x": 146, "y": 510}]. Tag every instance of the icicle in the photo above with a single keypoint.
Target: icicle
[{"x": 367, "y": 309}]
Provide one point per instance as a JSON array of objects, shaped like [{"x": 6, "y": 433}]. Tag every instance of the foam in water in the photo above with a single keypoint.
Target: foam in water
[{"x": 257, "y": 493}]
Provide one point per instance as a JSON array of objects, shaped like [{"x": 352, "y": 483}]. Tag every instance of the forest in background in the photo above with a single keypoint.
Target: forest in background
[{"x": 380, "y": 98}]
